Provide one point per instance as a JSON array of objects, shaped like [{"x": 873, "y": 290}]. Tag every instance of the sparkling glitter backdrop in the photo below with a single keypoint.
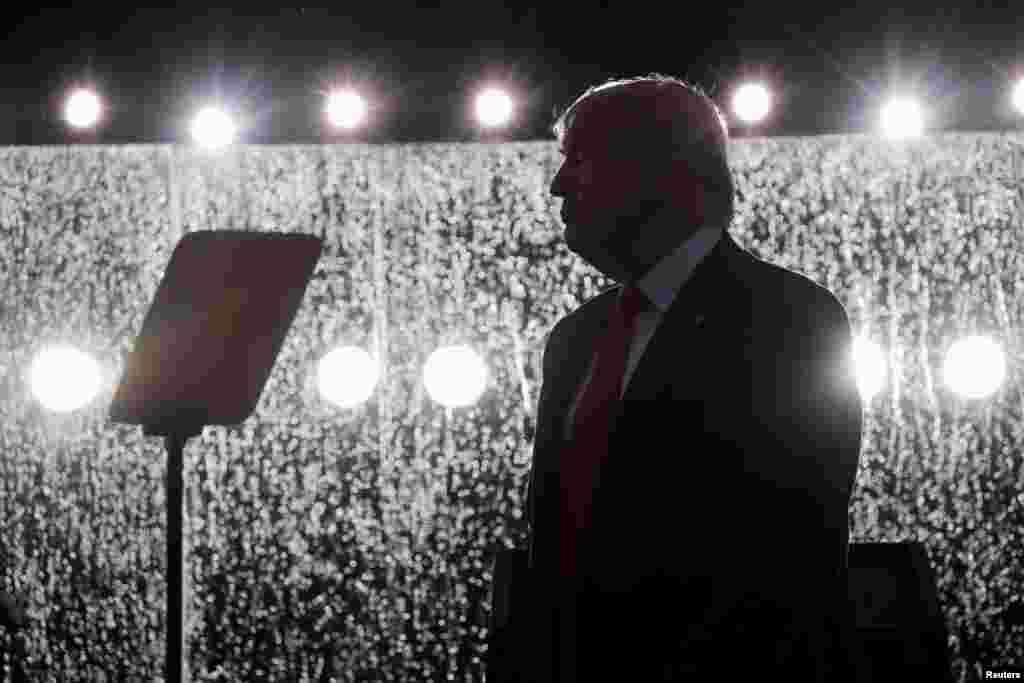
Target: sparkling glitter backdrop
[{"x": 353, "y": 544}]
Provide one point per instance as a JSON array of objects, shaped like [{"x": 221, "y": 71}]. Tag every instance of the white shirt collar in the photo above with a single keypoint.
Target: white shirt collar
[{"x": 666, "y": 278}]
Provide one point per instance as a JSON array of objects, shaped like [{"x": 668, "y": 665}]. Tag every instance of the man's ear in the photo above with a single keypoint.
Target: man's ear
[{"x": 686, "y": 190}]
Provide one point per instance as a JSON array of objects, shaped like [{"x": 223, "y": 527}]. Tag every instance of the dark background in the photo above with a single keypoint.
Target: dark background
[{"x": 831, "y": 66}]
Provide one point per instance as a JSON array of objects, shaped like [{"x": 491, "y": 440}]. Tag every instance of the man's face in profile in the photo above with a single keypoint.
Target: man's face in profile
[
  {"x": 610, "y": 193},
  {"x": 602, "y": 187}
]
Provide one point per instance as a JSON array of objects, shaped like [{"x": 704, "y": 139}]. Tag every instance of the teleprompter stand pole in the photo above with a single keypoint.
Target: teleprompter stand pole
[
  {"x": 174, "y": 655},
  {"x": 206, "y": 348}
]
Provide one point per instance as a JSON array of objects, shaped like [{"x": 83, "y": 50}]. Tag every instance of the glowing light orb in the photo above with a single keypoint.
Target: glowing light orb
[
  {"x": 975, "y": 367},
  {"x": 870, "y": 366},
  {"x": 752, "y": 102},
  {"x": 82, "y": 109},
  {"x": 902, "y": 118},
  {"x": 455, "y": 376},
  {"x": 213, "y": 128},
  {"x": 63, "y": 379},
  {"x": 345, "y": 109},
  {"x": 1018, "y": 96},
  {"x": 347, "y": 376},
  {"x": 493, "y": 108}
]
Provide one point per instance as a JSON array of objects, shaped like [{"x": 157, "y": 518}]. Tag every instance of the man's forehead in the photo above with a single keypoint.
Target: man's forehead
[
  {"x": 590, "y": 135},
  {"x": 581, "y": 133},
  {"x": 595, "y": 124}
]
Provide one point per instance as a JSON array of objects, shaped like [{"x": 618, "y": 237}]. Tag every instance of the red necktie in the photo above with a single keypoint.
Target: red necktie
[{"x": 591, "y": 426}]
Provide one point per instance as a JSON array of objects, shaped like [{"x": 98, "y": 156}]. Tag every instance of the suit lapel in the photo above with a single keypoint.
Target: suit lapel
[
  {"x": 707, "y": 296},
  {"x": 705, "y": 300},
  {"x": 713, "y": 293},
  {"x": 708, "y": 304},
  {"x": 574, "y": 353}
]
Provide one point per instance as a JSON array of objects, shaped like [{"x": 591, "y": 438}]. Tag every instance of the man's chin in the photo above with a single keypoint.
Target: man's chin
[{"x": 597, "y": 257}]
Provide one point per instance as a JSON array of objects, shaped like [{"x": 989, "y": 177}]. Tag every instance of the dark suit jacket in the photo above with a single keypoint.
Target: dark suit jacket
[{"x": 718, "y": 539}]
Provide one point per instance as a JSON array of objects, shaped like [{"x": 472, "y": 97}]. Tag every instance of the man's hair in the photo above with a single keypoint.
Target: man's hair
[{"x": 664, "y": 118}]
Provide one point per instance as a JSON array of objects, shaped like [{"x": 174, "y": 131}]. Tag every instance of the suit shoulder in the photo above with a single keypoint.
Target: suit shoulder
[
  {"x": 582, "y": 310},
  {"x": 795, "y": 290}
]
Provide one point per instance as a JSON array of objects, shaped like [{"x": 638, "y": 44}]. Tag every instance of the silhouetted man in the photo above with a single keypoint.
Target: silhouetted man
[{"x": 698, "y": 427}]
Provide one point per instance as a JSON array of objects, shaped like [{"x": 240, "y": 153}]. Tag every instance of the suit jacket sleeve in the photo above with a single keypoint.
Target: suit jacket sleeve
[
  {"x": 818, "y": 436},
  {"x": 518, "y": 644},
  {"x": 827, "y": 422},
  {"x": 806, "y": 429},
  {"x": 839, "y": 439},
  {"x": 522, "y": 646},
  {"x": 531, "y": 494}
]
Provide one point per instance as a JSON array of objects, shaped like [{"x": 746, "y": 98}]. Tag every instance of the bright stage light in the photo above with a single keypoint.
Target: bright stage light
[
  {"x": 752, "y": 102},
  {"x": 347, "y": 376},
  {"x": 455, "y": 376},
  {"x": 974, "y": 367},
  {"x": 870, "y": 367},
  {"x": 212, "y": 128},
  {"x": 902, "y": 118},
  {"x": 63, "y": 378},
  {"x": 345, "y": 109},
  {"x": 82, "y": 109},
  {"x": 493, "y": 108},
  {"x": 1018, "y": 96}
]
